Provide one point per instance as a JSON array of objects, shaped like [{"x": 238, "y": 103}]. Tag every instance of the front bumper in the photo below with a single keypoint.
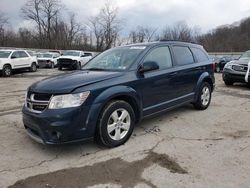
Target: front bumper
[
  {"x": 59, "y": 126},
  {"x": 44, "y": 64},
  {"x": 234, "y": 76},
  {"x": 67, "y": 64}
]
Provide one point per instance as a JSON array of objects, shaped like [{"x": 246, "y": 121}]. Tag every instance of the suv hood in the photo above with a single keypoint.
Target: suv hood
[
  {"x": 70, "y": 57},
  {"x": 242, "y": 62},
  {"x": 44, "y": 58},
  {"x": 66, "y": 83}
]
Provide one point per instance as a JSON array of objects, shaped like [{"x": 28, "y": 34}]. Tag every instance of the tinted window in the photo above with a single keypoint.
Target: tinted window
[
  {"x": 15, "y": 54},
  {"x": 23, "y": 54},
  {"x": 199, "y": 54},
  {"x": 161, "y": 56},
  {"x": 183, "y": 55}
]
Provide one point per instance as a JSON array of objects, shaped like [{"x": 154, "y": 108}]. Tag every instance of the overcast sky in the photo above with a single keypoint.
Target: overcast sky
[{"x": 206, "y": 14}]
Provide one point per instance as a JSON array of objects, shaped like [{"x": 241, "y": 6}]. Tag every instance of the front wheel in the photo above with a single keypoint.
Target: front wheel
[
  {"x": 116, "y": 124},
  {"x": 78, "y": 65},
  {"x": 6, "y": 71},
  {"x": 204, "y": 97},
  {"x": 52, "y": 65},
  {"x": 59, "y": 67},
  {"x": 33, "y": 67},
  {"x": 228, "y": 82}
]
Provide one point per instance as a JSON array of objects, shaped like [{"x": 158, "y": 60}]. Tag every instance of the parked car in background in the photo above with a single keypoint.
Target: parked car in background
[
  {"x": 237, "y": 70},
  {"x": 73, "y": 59},
  {"x": 31, "y": 53},
  {"x": 117, "y": 89},
  {"x": 48, "y": 59},
  {"x": 221, "y": 62},
  {"x": 56, "y": 51},
  {"x": 16, "y": 59}
]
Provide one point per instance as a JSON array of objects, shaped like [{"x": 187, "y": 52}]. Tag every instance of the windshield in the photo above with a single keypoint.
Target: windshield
[
  {"x": 4, "y": 54},
  {"x": 245, "y": 56},
  {"x": 46, "y": 55},
  {"x": 71, "y": 53},
  {"x": 117, "y": 59}
]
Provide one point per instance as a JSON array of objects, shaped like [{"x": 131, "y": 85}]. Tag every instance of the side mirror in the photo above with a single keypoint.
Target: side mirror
[
  {"x": 13, "y": 57},
  {"x": 148, "y": 66}
]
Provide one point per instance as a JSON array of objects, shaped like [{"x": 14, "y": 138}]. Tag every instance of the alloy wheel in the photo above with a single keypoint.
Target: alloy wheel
[
  {"x": 119, "y": 123},
  {"x": 205, "y": 96}
]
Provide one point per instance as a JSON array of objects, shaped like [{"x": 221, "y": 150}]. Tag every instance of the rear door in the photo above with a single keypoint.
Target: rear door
[
  {"x": 187, "y": 72},
  {"x": 25, "y": 59}
]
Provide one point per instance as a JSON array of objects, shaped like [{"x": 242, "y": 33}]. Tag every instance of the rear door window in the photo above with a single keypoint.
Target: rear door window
[
  {"x": 161, "y": 56},
  {"x": 183, "y": 55},
  {"x": 199, "y": 54}
]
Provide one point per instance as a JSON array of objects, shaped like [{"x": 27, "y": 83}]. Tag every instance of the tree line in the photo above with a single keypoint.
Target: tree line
[{"x": 103, "y": 31}]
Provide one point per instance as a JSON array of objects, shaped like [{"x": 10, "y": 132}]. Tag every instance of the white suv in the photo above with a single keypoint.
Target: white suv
[
  {"x": 16, "y": 59},
  {"x": 73, "y": 59}
]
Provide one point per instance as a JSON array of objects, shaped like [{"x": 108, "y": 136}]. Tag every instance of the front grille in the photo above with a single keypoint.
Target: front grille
[
  {"x": 37, "y": 102},
  {"x": 241, "y": 68},
  {"x": 65, "y": 61},
  {"x": 42, "y": 63}
]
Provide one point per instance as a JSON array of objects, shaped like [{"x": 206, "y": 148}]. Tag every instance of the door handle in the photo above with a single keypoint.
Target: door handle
[
  {"x": 173, "y": 73},
  {"x": 200, "y": 68}
]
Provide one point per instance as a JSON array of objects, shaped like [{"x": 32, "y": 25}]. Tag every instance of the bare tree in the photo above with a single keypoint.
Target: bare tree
[
  {"x": 142, "y": 34},
  {"x": 106, "y": 26},
  {"x": 98, "y": 32},
  {"x": 3, "y": 22},
  {"x": 43, "y": 13},
  {"x": 3, "y": 19},
  {"x": 180, "y": 31}
]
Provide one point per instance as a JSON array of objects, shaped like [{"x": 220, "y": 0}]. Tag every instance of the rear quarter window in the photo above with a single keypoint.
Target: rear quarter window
[
  {"x": 199, "y": 54},
  {"x": 183, "y": 55}
]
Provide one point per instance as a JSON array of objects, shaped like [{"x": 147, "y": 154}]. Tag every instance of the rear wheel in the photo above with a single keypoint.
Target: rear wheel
[
  {"x": 7, "y": 71},
  {"x": 204, "y": 97},
  {"x": 33, "y": 67},
  {"x": 116, "y": 124}
]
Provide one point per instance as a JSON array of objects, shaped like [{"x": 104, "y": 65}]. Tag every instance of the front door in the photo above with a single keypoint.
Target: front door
[{"x": 156, "y": 87}]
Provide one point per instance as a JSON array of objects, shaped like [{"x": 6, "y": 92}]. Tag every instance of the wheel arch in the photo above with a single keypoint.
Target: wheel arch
[
  {"x": 124, "y": 93},
  {"x": 8, "y": 64},
  {"x": 205, "y": 77}
]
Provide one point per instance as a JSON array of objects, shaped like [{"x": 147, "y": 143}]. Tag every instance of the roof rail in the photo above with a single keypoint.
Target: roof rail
[{"x": 166, "y": 40}]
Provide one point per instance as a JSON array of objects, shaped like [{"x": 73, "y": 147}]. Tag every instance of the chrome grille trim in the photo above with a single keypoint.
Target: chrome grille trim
[{"x": 31, "y": 104}]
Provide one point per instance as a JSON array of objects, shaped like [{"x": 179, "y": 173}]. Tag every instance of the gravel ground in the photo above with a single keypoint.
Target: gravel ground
[{"x": 181, "y": 148}]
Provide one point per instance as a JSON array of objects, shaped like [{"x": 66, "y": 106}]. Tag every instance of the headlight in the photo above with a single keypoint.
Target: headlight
[
  {"x": 228, "y": 66},
  {"x": 68, "y": 101}
]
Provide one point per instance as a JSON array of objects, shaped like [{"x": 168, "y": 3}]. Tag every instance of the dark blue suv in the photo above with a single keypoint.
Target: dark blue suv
[{"x": 117, "y": 89}]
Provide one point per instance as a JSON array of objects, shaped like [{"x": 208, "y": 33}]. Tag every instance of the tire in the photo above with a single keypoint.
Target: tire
[
  {"x": 204, "y": 97},
  {"x": 78, "y": 65},
  {"x": 59, "y": 67},
  {"x": 52, "y": 65},
  {"x": 33, "y": 67},
  {"x": 120, "y": 129},
  {"x": 6, "y": 71},
  {"x": 228, "y": 82}
]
